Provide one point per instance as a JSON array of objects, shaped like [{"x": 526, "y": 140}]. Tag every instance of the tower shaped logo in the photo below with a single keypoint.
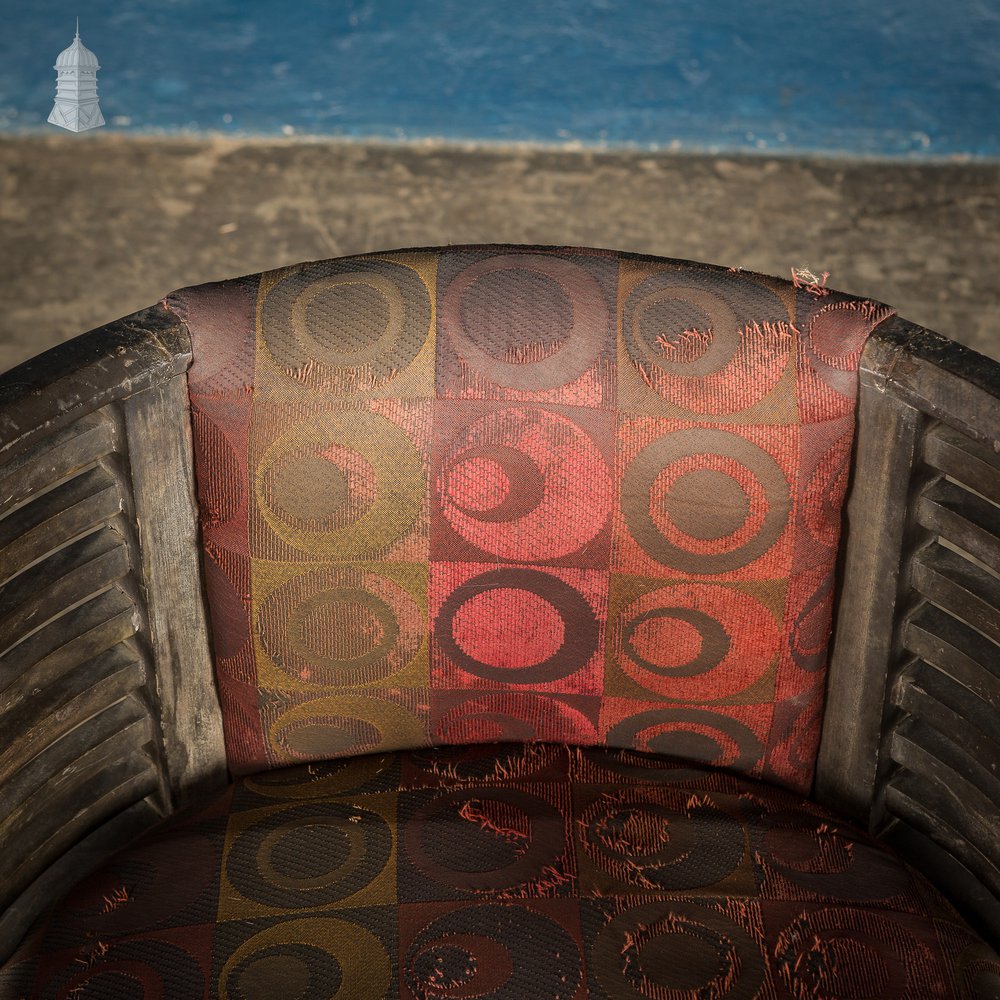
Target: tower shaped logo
[{"x": 76, "y": 106}]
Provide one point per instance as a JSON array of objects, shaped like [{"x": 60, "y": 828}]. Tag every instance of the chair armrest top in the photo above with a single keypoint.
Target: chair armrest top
[
  {"x": 935, "y": 375},
  {"x": 110, "y": 362}
]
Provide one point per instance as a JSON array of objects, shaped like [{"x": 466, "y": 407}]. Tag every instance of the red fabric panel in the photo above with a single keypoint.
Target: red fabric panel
[{"x": 494, "y": 493}]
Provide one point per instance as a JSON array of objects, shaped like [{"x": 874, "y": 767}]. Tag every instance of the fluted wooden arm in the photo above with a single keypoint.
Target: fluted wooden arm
[
  {"x": 911, "y": 737},
  {"x": 108, "y": 714}
]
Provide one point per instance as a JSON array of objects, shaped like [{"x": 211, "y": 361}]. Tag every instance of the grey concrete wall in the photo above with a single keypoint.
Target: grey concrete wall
[{"x": 96, "y": 228}]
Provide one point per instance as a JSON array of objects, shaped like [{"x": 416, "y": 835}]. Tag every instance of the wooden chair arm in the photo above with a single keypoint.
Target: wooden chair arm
[
  {"x": 911, "y": 735},
  {"x": 108, "y": 715}
]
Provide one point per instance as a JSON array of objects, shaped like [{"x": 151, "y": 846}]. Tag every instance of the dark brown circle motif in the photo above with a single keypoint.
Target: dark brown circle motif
[
  {"x": 493, "y": 952},
  {"x": 832, "y": 953},
  {"x": 656, "y": 318},
  {"x": 580, "y": 623},
  {"x": 502, "y": 839},
  {"x": 309, "y": 855},
  {"x": 303, "y": 958},
  {"x": 696, "y": 642},
  {"x": 372, "y": 497},
  {"x": 686, "y": 502},
  {"x": 319, "y": 489},
  {"x": 658, "y": 952},
  {"x": 690, "y": 734},
  {"x": 568, "y": 312},
  {"x": 702, "y": 352},
  {"x": 714, "y": 646},
  {"x": 811, "y": 628},
  {"x": 824, "y": 859},
  {"x": 664, "y": 849},
  {"x": 837, "y": 333},
  {"x": 537, "y": 320},
  {"x": 671, "y": 546},
  {"x": 525, "y": 484},
  {"x": 344, "y": 725},
  {"x": 340, "y": 627},
  {"x": 338, "y": 324},
  {"x": 514, "y": 466},
  {"x": 318, "y": 739},
  {"x": 292, "y": 971},
  {"x": 519, "y": 716}
]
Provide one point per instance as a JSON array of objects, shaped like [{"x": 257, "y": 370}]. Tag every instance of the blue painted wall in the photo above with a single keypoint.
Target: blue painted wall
[{"x": 897, "y": 77}]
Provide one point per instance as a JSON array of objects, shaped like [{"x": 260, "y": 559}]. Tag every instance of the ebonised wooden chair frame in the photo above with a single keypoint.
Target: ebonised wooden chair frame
[{"x": 109, "y": 719}]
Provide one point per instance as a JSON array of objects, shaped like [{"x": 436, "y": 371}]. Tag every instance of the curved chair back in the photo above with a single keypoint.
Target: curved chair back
[
  {"x": 394, "y": 452},
  {"x": 494, "y": 493}
]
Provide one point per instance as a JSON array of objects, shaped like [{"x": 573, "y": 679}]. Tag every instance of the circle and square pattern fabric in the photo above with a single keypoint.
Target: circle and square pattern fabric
[
  {"x": 499, "y": 493},
  {"x": 510, "y": 872}
]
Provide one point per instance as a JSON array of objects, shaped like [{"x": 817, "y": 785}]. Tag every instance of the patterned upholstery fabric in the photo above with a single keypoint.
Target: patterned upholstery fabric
[
  {"x": 504, "y": 873},
  {"x": 495, "y": 493}
]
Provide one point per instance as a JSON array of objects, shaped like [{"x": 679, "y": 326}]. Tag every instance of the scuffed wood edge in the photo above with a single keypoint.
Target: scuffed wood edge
[
  {"x": 134, "y": 368},
  {"x": 862, "y": 644},
  {"x": 935, "y": 375},
  {"x": 89, "y": 371},
  {"x": 158, "y": 430}
]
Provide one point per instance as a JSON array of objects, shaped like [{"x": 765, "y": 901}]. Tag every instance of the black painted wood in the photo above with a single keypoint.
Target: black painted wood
[
  {"x": 911, "y": 741},
  {"x": 108, "y": 715}
]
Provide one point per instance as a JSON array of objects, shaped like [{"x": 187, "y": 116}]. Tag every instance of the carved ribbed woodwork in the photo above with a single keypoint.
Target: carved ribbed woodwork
[
  {"x": 79, "y": 741},
  {"x": 92, "y": 752},
  {"x": 911, "y": 743}
]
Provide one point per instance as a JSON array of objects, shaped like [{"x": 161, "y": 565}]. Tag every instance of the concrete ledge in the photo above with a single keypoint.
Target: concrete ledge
[{"x": 91, "y": 230}]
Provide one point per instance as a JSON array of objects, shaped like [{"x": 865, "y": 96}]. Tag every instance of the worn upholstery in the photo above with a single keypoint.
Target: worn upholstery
[
  {"x": 495, "y": 493},
  {"x": 505, "y": 873},
  {"x": 582, "y": 502}
]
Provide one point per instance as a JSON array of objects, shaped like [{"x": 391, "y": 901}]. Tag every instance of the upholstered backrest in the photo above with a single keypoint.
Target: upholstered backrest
[{"x": 486, "y": 493}]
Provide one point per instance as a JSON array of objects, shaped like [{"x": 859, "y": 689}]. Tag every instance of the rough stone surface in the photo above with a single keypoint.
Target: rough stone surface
[{"x": 93, "y": 227}]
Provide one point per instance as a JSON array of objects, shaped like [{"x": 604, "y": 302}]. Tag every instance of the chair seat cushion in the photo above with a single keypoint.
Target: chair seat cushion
[{"x": 503, "y": 871}]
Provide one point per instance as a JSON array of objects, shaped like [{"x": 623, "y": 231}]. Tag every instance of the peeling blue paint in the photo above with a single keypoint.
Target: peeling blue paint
[{"x": 899, "y": 78}]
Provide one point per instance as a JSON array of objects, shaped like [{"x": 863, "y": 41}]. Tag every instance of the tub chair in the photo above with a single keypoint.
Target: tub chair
[{"x": 456, "y": 623}]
